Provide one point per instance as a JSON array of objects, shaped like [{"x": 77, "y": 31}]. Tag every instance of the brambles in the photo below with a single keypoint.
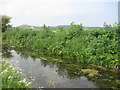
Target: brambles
[{"x": 92, "y": 45}]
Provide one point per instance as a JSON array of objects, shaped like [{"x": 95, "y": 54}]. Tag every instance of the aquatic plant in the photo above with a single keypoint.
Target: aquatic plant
[{"x": 88, "y": 45}]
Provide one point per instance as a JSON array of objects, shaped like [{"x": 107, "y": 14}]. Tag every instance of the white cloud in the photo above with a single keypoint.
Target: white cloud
[
  {"x": 42, "y": 11},
  {"x": 41, "y": 7},
  {"x": 33, "y": 9},
  {"x": 44, "y": 7}
]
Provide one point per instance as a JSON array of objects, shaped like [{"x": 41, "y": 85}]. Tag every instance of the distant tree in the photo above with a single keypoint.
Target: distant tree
[
  {"x": 77, "y": 27},
  {"x": 44, "y": 27},
  {"x": 5, "y": 22},
  {"x": 107, "y": 26},
  {"x": 24, "y": 26},
  {"x": 72, "y": 23}
]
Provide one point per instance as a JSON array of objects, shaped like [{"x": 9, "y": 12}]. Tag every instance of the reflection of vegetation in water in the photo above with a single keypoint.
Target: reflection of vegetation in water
[
  {"x": 96, "y": 74},
  {"x": 5, "y": 52},
  {"x": 25, "y": 56},
  {"x": 103, "y": 77},
  {"x": 90, "y": 72}
]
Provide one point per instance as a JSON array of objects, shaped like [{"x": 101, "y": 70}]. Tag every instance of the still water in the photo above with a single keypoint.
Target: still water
[{"x": 47, "y": 71}]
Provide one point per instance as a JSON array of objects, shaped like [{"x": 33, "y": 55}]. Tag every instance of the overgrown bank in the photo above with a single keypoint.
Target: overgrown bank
[
  {"x": 96, "y": 46},
  {"x": 12, "y": 78}
]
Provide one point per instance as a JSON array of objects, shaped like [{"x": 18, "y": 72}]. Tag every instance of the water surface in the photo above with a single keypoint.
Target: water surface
[{"x": 48, "y": 71}]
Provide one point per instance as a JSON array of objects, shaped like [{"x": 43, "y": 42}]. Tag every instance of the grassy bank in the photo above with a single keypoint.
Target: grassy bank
[
  {"x": 11, "y": 78},
  {"x": 92, "y": 45}
]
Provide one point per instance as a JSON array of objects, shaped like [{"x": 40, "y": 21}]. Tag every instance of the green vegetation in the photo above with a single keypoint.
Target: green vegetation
[
  {"x": 5, "y": 22},
  {"x": 103, "y": 77},
  {"x": 12, "y": 78},
  {"x": 92, "y": 45}
]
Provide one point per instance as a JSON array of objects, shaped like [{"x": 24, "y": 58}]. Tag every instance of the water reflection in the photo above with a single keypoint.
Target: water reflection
[
  {"x": 47, "y": 71},
  {"x": 6, "y": 52}
]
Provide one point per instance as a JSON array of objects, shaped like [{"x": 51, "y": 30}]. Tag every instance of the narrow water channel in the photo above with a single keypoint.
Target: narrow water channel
[{"x": 51, "y": 72}]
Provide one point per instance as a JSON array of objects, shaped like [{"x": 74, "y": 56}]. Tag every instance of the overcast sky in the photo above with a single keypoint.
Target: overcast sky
[{"x": 60, "y": 12}]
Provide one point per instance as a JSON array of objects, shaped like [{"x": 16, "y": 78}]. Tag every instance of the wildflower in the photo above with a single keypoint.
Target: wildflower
[
  {"x": 10, "y": 77},
  {"x": 27, "y": 84},
  {"x": 22, "y": 81},
  {"x": 18, "y": 72},
  {"x": 4, "y": 71},
  {"x": 13, "y": 68},
  {"x": 10, "y": 66}
]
